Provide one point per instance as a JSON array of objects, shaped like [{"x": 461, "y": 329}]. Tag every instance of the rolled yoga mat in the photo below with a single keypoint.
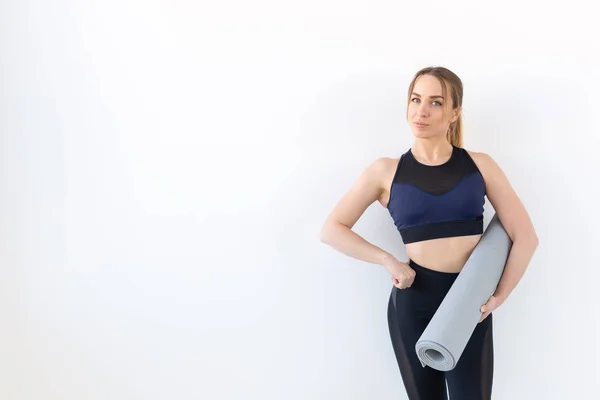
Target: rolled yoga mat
[{"x": 442, "y": 342}]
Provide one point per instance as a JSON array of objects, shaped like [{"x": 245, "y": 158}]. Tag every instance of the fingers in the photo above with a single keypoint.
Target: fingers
[
  {"x": 484, "y": 316},
  {"x": 397, "y": 283},
  {"x": 488, "y": 306},
  {"x": 405, "y": 279},
  {"x": 404, "y": 284}
]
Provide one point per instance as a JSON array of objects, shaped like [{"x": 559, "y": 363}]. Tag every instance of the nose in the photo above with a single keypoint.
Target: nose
[{"x": 422, "y": 109}]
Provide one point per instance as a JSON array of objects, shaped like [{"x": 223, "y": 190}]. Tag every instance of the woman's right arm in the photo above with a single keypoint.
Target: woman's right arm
[{"x": 337, "y": 230}]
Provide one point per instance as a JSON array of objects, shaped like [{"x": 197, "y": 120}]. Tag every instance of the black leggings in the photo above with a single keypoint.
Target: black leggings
[{"x": 409, "y": 312}]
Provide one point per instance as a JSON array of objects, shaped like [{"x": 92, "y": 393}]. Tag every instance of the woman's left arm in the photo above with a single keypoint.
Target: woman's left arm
[{"x": 517, "y": 223}]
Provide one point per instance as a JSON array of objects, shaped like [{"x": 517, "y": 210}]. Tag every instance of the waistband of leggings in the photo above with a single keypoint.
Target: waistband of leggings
[{"x": 431, "y": 272}]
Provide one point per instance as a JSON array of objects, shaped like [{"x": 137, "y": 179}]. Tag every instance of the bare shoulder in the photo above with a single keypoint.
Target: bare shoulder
[
  {"x": 383, "y": 166},
  {"x": 479, "y": 157},
  {"x": 370, "y": 187},
  {"x": 382, "y": 171},
  {"x": 487, "y": 165}
]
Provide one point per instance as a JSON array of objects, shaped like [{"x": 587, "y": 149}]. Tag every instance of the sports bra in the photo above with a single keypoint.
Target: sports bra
[{"x": 437, "y": 201}]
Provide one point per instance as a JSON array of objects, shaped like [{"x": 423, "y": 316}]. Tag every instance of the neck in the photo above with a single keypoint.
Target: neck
[{"x": 432, "y": 149}]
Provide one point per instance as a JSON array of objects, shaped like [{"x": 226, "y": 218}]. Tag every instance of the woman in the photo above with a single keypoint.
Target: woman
[{"x": 435, "y": 195}]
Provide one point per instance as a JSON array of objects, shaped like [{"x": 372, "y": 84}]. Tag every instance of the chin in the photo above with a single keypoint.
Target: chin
[
  {"x": 426, "y": 135},
  {"x": 423, "y": 135}
]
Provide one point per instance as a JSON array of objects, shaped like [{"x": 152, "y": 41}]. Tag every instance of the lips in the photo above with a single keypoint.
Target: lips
[{"x": 421, "y": 124}]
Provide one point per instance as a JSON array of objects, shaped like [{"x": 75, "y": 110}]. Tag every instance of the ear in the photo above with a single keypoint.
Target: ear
[{"x": 455, "y": 114}]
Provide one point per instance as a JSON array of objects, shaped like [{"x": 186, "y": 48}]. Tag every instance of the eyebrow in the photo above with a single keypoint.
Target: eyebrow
[{"x": 431, "y": 97}]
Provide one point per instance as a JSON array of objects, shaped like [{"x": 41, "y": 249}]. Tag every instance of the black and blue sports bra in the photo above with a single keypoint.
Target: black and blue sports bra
[{"x": 437, "y": 201}]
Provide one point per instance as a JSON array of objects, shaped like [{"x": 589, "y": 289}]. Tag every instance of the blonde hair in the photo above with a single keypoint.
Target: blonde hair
[{"x": 445, "y": 76}]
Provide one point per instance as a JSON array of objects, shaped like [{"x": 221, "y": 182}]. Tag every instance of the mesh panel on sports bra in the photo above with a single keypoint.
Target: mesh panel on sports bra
[{"x": 436, "y": 179}]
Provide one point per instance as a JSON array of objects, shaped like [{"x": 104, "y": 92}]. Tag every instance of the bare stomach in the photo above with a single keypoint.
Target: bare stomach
[{"x": 445, "y": 254}]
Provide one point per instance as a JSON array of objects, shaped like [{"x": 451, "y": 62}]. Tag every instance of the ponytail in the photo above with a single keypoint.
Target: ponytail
[{"x": 455, "y": 133}]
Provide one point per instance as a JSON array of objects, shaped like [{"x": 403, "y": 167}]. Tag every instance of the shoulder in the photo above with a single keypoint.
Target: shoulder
[
  {"x": 366, "y": 190},
  {"x": 382, "y": 170},
  {"x": 479, "y": 157},
  {"x": 379, "y": 175},
  {"x": 488, "y": 167},
  {"x": 382, "y": 165}
]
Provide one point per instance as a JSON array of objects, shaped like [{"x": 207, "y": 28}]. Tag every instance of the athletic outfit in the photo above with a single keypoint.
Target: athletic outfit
[{"x": 429, "y": 202}]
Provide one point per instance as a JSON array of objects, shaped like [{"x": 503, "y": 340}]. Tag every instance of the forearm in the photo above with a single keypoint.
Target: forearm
[
  {"x": 345, "y": 240},
  {"x": 518, "y": 259}
]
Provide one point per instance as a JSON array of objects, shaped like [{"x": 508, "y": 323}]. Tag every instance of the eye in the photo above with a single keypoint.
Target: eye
[{"x": 435, "y": 102}]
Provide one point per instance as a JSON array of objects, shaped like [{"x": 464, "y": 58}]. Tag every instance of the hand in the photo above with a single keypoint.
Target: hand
[
  {"x": 493, "y": 303},
  {"x": 401, "y": 273}
]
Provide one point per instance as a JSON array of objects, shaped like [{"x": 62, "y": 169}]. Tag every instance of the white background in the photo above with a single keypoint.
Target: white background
[{"x": 166, "y": 167}]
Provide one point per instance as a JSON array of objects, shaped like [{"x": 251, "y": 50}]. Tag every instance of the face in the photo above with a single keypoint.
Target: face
[{"x": 429, "y": 114}]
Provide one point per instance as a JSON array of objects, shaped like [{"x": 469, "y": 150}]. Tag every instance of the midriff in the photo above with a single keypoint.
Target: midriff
[{"x": 445, "y": 254}]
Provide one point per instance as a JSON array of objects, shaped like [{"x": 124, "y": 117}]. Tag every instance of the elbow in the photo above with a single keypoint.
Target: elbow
[
  {"x": 536, "y": 241},
  {"x": 324, "y": 235},
  {"x": 531, "y": 239},
  {"x": 327, "y": 232}
]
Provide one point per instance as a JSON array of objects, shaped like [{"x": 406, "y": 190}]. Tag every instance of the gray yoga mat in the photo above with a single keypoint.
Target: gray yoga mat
[{"x": 445, "y": 337}]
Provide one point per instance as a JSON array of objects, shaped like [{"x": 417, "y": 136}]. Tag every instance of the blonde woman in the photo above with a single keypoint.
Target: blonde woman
[{"x": 435, "y": 194}]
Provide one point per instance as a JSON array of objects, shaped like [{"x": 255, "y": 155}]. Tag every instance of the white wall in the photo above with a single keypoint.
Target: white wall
[{"x": 167, "y": 166}]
